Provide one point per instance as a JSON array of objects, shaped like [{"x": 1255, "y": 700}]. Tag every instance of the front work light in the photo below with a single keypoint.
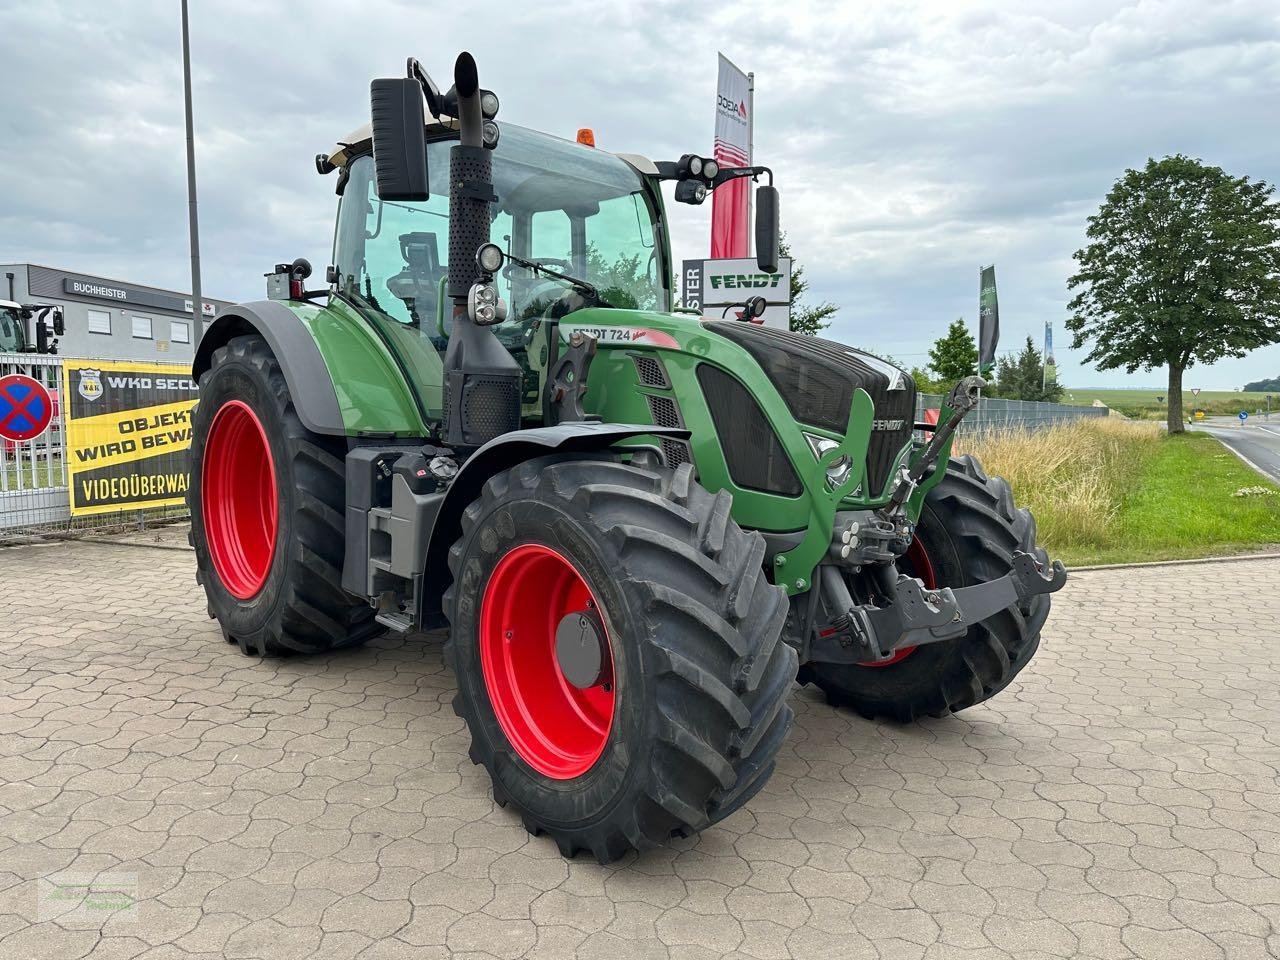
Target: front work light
[
  {"x": 691, "y": 191},
  {"x": 490, "y": 258}
]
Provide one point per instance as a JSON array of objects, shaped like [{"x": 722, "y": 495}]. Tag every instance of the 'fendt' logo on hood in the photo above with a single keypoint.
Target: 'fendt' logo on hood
[
  {"x": 744, "y": 281},
  {"x": 888, "y": 424}
]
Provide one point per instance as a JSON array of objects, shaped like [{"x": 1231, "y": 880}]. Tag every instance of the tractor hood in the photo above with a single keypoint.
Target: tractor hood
[{"x": 800, "y": 385}]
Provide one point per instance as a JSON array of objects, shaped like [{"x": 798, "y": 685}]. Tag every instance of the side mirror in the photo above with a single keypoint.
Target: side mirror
[
  {"x": 59, "y": 324},
  {"x": 399, "y": 139},
  {"x": 768, "y": 238}
]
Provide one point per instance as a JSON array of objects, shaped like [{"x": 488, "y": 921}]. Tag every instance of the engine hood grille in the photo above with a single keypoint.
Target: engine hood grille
[{"x": 816, "y": 379}]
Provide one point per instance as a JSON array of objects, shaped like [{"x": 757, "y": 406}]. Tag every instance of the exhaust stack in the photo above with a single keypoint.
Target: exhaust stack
[{"x": 482, "y": 380}]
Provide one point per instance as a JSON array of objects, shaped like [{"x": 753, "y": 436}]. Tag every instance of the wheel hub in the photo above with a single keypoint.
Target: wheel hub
[{"x": 580, "y": 649}]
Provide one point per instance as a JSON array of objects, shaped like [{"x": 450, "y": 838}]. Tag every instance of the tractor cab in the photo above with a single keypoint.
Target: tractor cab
[
  {"x": 12, "y": 328},
  {"x": 562, "y": 206},
  {"x": 14, "y": 335}
]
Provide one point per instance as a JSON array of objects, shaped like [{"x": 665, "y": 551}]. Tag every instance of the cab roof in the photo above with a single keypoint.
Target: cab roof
[{"x": 359, "y": 141}]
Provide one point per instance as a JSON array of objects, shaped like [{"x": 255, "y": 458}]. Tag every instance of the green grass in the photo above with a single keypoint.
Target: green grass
[
  {"x": 1120, "y": 491},
  {"x": 1143, "y": 405},
  {"x": 1184, "y": 506},
  {"x": 44, "y": 468}
]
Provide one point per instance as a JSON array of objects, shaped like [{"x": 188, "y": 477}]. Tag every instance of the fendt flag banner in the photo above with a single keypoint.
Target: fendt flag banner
[
  {"x": 988, "y": 321},
  {"x": 730, "y": 202},
  {"x": 1050, "y": 365},
  {"x": 128, "y": 428}
]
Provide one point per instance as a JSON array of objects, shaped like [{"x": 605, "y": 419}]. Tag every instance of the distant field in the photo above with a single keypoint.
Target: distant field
[{"x": 1143, "y": 403}]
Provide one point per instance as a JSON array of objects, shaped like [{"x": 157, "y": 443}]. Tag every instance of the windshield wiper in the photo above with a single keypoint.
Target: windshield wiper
[{"x": 582, "y": 286}]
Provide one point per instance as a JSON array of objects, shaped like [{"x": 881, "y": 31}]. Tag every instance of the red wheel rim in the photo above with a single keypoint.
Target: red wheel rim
[
  {"x": 559, "y": 729},
  {"x": 915, "y": 562},
  {"x": 238, "y": 499}
]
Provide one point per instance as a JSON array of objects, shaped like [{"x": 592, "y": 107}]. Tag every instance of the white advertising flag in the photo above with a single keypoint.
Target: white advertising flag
[{"x": 729, "y": 203}]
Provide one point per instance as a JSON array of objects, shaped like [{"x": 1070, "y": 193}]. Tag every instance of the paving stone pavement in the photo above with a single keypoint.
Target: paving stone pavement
[{"x": 1119, "y": 800}]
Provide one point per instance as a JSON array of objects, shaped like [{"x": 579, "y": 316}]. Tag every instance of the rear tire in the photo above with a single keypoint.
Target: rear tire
[
  {"x": 274, "y": 583},
  {"x": 697, "y": 708},
  {"x": 968, "y": 529}
]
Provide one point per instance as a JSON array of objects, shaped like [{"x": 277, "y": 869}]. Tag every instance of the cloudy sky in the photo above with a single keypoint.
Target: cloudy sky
[{"x": 912, "y": 141}]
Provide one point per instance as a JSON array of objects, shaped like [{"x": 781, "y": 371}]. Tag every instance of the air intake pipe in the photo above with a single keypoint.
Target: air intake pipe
[{"x": 482, "y": 380}]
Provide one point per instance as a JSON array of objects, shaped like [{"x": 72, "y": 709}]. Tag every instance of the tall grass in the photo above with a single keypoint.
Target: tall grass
[{"x": 1074, "y": 477}]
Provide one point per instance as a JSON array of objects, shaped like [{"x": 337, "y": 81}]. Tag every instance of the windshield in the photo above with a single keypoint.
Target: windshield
[
  {"x": 572, "y": 208},
  {"x": 12, "y": 336}
]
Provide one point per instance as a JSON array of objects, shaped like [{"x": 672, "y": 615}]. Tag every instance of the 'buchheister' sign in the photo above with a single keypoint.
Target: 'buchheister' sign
[
  {"x": 128, "y": 428},
  {"x": 712, "y": 285}
]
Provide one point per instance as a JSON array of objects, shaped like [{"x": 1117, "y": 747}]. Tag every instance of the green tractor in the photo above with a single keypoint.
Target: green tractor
[{"x": 636, "y": 523}]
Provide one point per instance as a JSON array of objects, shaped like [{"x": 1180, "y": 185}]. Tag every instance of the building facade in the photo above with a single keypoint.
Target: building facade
[{"x": 109, "y": 319}]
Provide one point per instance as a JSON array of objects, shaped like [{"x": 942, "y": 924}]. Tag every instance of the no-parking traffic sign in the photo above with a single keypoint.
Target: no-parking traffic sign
[{"x": 26, "y": 408}]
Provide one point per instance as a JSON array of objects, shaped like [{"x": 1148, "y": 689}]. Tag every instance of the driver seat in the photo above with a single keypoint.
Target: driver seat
[{"x": 418, "y": 284}]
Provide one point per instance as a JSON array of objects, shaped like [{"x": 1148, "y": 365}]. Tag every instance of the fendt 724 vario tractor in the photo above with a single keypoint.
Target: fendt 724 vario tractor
[{"x": 636, "y": 523}]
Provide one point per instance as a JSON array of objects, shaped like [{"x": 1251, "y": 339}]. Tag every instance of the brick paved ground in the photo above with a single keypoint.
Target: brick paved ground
[{"x": 1120, "y": 800}]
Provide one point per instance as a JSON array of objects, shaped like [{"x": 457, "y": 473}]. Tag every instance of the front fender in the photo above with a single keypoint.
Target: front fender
[{"x": 503, "y": 453}]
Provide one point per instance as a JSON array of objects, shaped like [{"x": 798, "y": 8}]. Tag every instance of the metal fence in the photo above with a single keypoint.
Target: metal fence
[
  {"x": 34, "y": 497},
  {"x": 996, "y": 414}
]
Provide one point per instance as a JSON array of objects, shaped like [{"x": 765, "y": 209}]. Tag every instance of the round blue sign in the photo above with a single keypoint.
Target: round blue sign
[
  {"x": 25, "y": 408},
  {"x": 1244, "y": 414}
]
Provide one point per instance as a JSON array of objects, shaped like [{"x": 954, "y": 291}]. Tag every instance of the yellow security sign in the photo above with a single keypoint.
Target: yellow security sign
[{"x": 128, "y": 428}]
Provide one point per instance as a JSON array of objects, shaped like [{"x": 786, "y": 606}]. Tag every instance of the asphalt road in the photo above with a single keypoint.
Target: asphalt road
[{"x": 1258, "y": 440}]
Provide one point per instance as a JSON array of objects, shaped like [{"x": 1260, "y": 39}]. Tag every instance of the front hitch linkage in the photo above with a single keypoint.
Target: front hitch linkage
[{"x": 917, "y": 615}]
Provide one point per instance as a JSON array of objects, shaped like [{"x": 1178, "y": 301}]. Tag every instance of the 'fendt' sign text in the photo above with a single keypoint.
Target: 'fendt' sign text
[{"x": 744, "y": 281}]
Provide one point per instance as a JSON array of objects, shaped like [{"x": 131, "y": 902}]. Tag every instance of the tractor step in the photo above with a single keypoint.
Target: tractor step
[{"x": 399, "y": 622}]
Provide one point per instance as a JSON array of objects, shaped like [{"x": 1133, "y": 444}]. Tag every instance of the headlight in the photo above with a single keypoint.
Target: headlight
[
  {"x": 710, "y": 168},
  {"x": 837, "y": 472},
  {"x": 489, "y": 258}
]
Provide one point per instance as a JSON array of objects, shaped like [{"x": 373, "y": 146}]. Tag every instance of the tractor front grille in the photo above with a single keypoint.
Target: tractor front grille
[
  {"x": 752, "y": 451},
  {"x": 816, "y": 379},
  {"x": 664, "y": 412},
  {"x": 676, "y": 452},
  {"x": 650, "y": 371}
]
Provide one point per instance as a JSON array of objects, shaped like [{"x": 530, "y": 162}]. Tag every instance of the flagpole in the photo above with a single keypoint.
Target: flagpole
[
  {"x": 193, "y": 222},
  {"x": 751, "y": 152}
]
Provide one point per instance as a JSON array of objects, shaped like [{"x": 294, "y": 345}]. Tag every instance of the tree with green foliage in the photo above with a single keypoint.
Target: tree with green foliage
[
  {"x": 1262, "y": 386},
  {"x": 1020, "y": 376},
  {"x": 804, "y": 319},
  {"x": 925, "y": 383},
  {"x": 1182, "y": 267},
  {"x": 955, "y": 355}
]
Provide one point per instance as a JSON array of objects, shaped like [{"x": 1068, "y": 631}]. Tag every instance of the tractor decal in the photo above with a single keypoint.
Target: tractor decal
[{"x": 627, "y": 336}]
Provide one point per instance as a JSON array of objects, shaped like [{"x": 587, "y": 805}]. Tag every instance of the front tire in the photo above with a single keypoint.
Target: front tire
[
  {"x": 684, "y": 709},
  {"x": 967, "y": 533},
  {"x": 266, "y": 501}
]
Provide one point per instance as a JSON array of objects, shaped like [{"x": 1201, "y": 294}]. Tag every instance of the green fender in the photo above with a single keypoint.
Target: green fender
[{"x": 343, "y": 379}]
